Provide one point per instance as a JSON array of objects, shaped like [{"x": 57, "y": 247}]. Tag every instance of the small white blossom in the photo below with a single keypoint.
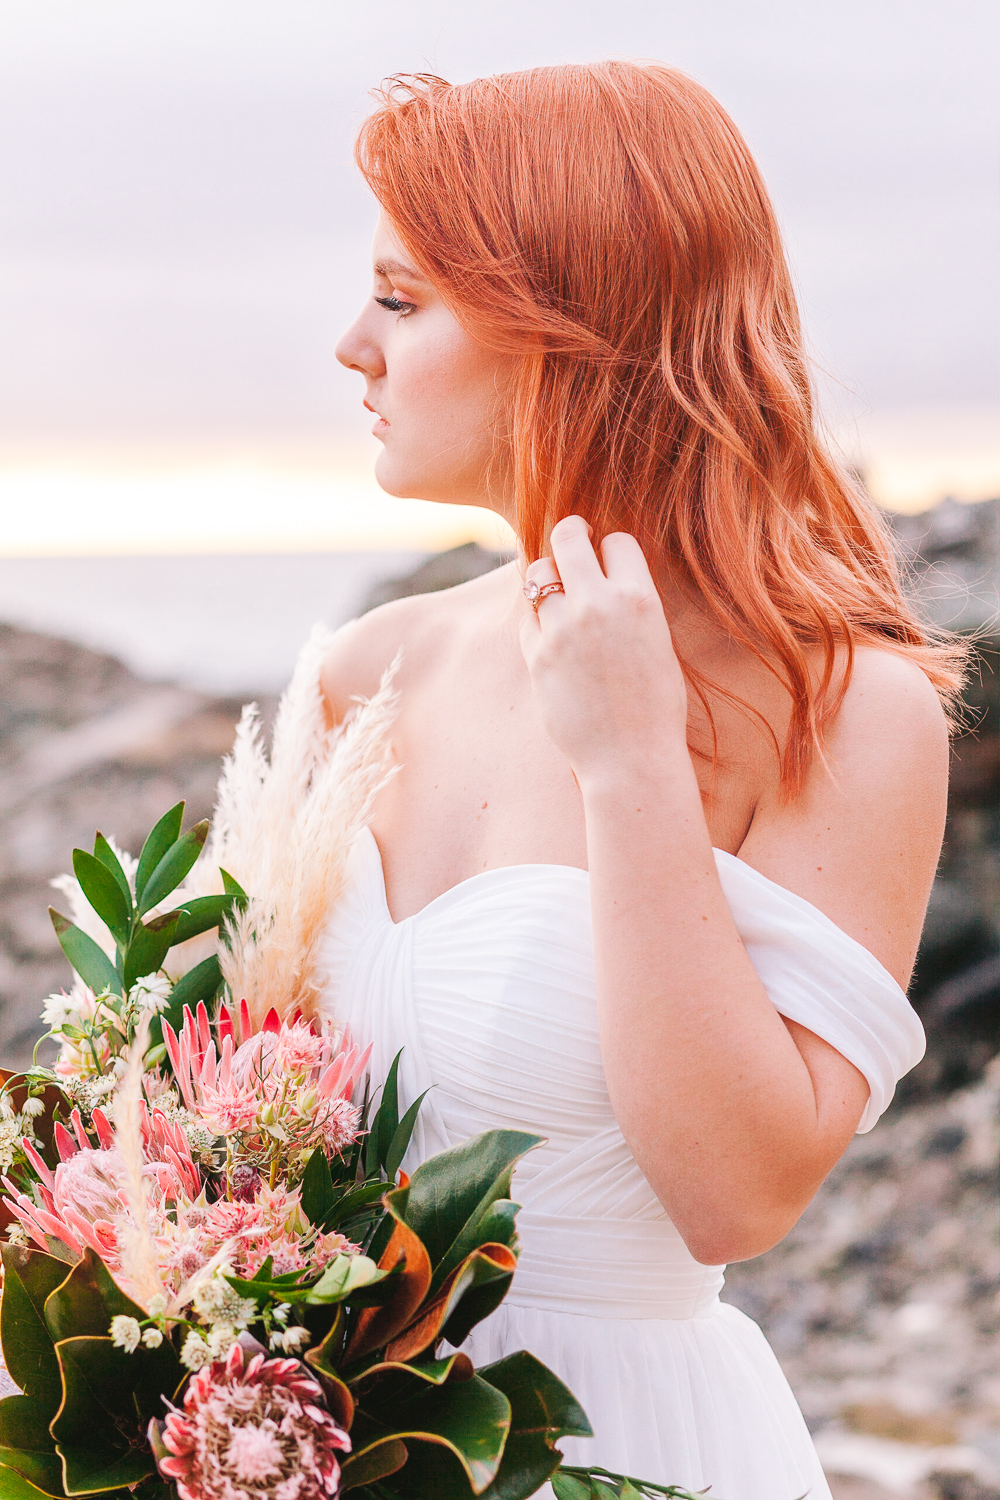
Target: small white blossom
[
  {"x": 221, "y": 1340},
  {"x": 281, "y": 1312},
  {"x": 6, "y": 1107},
  {"x": 125, "y": 1333},
  {"x": 16, "y": 1234},
  {"x": 151, "y": 992},
  {"x": 195, "y": 1353},
  {"x": 157, "y": 1305},
  {"x": 10, "y": 1135},
  {"x": 292, "y": 1341},
  {"x": 32, "y": 1108},
  {"x": 152, "y": 1338}
]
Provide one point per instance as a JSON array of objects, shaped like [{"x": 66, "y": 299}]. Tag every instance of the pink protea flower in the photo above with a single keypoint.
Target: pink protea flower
[{"x": 252, "y": 1429}]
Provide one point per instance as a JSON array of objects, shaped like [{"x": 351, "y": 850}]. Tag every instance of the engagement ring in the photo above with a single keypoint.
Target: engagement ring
[{"x": 535, "y": 592}]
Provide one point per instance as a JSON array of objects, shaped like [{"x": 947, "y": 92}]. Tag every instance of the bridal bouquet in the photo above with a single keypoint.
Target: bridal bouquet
[{"x": 218, "y": 1283}]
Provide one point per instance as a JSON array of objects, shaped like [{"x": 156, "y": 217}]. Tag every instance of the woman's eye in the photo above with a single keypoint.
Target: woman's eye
[{"x": 393, "y": 304}]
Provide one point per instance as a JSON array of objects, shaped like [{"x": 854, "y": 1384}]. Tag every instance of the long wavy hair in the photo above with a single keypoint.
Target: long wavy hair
[{"x": 608, "y": 223}]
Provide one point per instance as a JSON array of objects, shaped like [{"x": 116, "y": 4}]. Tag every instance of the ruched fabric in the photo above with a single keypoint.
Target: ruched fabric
[{"x": 490, "y": 991}]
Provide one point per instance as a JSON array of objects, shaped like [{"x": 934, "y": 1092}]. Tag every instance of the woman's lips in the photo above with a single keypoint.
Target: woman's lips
[{"x": 380, "y": 425}]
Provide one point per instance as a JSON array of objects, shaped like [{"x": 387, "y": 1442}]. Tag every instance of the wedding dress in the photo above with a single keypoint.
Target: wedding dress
[{"x": 490, "y": 990}]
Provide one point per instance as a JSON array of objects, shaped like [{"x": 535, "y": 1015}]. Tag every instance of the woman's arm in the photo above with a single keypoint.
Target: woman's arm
[{"x": 734, "y": 1115}]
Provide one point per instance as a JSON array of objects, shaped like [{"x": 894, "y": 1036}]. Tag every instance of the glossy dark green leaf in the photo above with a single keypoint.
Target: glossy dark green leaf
[
  {"x": 450, "y": 1194},
  {"x": 353, "y": 1204},
  {"x": 91, "y": 962},
  {"x": 200, "y": 983},
  {"x": 14, "y": 1487},
  {"x": 200, "y": 915},
  {"x": 317, "y": 1193},
  {"x": 469, "y": 1419},
  {"x": 377, "y": 1462},
  {"x": 345, "y": 1277},
  {"x": 149, "y": 947},
  {"x": 30, "y": 1276},
  {"x": 86, "y": 1301},
  {"x": 542, "y": 1411},
  {"x": 104, "y": 893},
  {"x": 172, "y": 868},
  {"x": 26, "y": 1444},
  {"x": 401, "y": 1138},
  {"x": 166, "y": 833},
  {"x": 479, "y": 1289},
  {"x": 87, "y": 1471}
]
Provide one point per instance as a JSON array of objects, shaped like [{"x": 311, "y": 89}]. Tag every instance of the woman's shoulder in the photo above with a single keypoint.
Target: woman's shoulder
[{"x": 417, "y": 630}]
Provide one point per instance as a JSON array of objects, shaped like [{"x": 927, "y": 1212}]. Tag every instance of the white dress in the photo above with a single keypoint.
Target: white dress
[{"x": 490, "y": 990}]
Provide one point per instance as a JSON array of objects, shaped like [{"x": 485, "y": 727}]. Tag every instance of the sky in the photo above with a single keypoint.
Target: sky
[{"x": 183, "y": 235}]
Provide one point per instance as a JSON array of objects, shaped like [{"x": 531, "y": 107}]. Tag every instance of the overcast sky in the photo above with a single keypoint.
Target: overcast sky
[{"x": 182, "y": 232}]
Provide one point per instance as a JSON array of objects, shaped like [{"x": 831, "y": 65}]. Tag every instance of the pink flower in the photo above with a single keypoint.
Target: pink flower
[
  {"x": 251, "y": 1430},
  {"x": 299, "y": 1049}
]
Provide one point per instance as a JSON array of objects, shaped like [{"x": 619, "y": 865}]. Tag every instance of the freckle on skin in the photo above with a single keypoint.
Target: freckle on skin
[{"x": 484, "y": 807}]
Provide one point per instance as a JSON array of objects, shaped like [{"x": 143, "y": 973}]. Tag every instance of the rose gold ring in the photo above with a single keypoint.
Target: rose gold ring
[{"x": 535, "y": 592}]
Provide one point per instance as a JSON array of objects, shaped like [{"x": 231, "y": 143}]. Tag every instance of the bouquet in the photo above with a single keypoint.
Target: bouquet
[{"x": 218, "y": 1282}]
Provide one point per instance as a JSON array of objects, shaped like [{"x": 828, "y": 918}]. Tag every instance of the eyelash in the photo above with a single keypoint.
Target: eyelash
[{"x": 394, "y": 305}]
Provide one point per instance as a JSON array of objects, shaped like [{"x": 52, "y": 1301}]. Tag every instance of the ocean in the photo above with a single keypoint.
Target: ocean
[{"x": 223, "y": 624}]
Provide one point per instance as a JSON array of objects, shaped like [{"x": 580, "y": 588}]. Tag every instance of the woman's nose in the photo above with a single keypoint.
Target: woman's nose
[{"x": 356, "y": 350}]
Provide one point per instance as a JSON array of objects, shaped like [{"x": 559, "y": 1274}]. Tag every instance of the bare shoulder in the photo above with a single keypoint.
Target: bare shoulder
[
  {"x": 862, "y": 839},
  {"x": 417, "y": 630}
]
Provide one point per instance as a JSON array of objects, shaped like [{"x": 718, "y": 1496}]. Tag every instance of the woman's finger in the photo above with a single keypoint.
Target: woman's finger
[
  {"x": 578, "y": 563},
  {"x": 625, "y": 562}
]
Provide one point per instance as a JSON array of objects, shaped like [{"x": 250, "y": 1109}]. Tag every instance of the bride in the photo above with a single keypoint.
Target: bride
[{"x": 671, "y": 788}]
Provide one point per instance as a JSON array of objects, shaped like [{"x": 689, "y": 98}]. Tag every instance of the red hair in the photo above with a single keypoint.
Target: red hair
[{"x": 608, "y": 222}]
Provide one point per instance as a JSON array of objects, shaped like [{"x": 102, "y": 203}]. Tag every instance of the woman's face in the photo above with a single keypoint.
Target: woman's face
[{"x": 438, "y": 395}]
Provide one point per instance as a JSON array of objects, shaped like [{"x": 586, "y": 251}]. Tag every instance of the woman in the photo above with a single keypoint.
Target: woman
[{"x": 651, "y": 877}]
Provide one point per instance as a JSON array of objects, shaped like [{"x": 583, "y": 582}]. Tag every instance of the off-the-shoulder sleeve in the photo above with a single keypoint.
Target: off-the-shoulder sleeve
[{"x": 817, "y": 975}]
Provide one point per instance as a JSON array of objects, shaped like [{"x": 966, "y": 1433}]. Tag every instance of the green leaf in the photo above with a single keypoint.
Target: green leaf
[
  {"x": 104, "y": 894},
  {"x": 26, "y": 1444},
  {"x": 450, "y": 1194},
  {"x": 401, "y": 1138},
  {"x": 343, "y": 1276},
  {"x": 352, "y": 1204},
  {"x": 201, "y": 914},
  {"x": 466, "y": 1421},
  {"x": 110, "y": 1398},
  {"x": 200, "y": 983},
  {"x": 30, "y": 1276},
  {"x": 478, "y": 1290},
  {"x": 173, "y": 867},
  {"x": 386, "y": 1121},
  {"x": 14, "y": 1487},
  {"x": 109, "y": 859},
  {"x": 166, "y": 832},
  {"x": 377, "y": 1462},
  {"x": 86, "y": 1301},
  {"x": 91, "y": 962},
  {"x": 150, "y": 944},
  {"x": 542, "y": 1410},
  {"x": 317, "y": 1195},
  {"x": 232, "y": 887},
  {"x": 568, "y": 1487}
]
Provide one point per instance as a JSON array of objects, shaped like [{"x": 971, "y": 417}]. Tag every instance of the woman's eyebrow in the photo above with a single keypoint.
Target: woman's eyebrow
[{"x": 391, "y": 268}]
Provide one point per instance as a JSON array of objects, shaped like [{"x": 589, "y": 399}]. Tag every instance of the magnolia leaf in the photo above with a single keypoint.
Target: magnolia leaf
[
  {"x": 172, "y": 868},
  {"x": 14, "y": 1487},
  {"x": 26, "y": 1444},
  {"x": 90, "y": 961},
  {"x": 396, "y": 1377},
  {"x": 104, "y": 894},
  {"x": 29, "y": 1278},
  {"x": 344, "y": 1275},
  {"x": 323, "y": 1360},
  {"x": 377, "y": 1462},
  {"x": 165, "y": 834},
  {"x": 451, "y": 1193},
  {"x": 542, "y": 1410},
  {"x": 376, "y": 1326},
  {"x": 86, "y": 1300},
  {"x": 469, "y": 1420}
]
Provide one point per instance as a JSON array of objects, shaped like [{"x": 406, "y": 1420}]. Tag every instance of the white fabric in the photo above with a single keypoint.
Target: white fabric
[{"x": 490, "y": 990}]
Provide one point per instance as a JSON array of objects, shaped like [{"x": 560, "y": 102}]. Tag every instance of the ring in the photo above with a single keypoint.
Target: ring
[{"x": 535, "y": 592}]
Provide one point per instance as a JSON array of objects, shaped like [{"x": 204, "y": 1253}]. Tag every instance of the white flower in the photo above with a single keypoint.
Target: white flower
[
  {"x": 151, "y": 992},
  {"x": 10, "y": 1135},
  {"x": 157, "y": 1305},
  {"x": 291, "y": 1341},
  {"x": 281, "y": 1312},
  {"x": 152, "y": 1338},
  {"x": 195, "y": 1353},
  {"x": 125, "y": 1333},
  {"x": 32, "y": 1108},
  {"x": 221, "y": 1340},
  {"x": 16, "y": 1234}
]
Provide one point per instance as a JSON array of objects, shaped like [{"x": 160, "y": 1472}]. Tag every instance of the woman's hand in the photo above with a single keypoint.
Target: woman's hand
[{"x": 600, "y": 656}]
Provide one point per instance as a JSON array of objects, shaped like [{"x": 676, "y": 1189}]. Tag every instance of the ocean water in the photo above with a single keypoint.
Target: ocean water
[{"x": 225, "y": 624}]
